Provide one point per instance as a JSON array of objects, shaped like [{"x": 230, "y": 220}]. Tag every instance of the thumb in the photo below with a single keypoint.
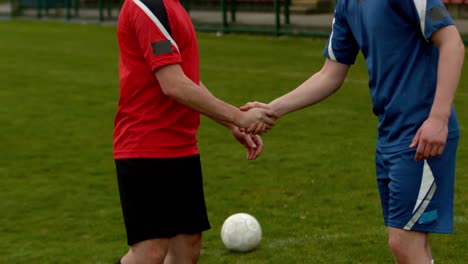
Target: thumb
[
  {"x": 246, "y": 107},
  {"x": 415, "y": 141}
]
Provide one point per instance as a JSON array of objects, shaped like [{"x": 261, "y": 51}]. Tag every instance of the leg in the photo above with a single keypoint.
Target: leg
[
  {"x": 417, "y": 199},
  {"x": 428, "y": 248},
  {"x": 176, "y": 186},
  {"x": 409, "y": 247},
  {"x": 184, "y": 249},
  {"x": 150, "y": 251}
]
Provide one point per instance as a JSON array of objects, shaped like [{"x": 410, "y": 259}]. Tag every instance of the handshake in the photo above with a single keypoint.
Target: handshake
[{"x": 256, "y": 118}]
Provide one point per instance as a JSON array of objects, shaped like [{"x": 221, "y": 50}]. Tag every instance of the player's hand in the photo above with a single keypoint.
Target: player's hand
[
  {"x": 431, "y": 138},
  {"x": 252, "y": 143},
  {"x": 255, "y": 104},
  {"x": 260, "y": 118},
  {"x": 258, "y": 128}
]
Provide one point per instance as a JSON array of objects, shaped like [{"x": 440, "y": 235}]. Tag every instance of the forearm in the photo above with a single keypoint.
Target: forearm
[
  {"x": 315, "y": 89},
  {"x": 176, "y": 85},
  {"x": 221, "y": 122}
]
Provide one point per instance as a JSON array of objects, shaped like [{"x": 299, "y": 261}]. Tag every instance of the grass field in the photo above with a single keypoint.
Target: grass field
[{"x": 313, "y": 189}]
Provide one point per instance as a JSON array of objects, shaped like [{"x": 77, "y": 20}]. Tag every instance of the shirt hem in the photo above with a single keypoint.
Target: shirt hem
[{"x": 154, "y": 154}]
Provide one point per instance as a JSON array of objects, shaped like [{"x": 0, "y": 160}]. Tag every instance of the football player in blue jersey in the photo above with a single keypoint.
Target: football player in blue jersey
[{"x": 414, "y": 56}]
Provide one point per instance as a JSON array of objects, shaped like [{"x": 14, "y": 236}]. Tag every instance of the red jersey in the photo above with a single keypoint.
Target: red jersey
[{"x": 148, "y": 124}]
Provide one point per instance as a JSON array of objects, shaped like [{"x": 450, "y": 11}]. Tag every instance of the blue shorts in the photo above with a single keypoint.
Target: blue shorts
[{"x": 417, "y": 195}]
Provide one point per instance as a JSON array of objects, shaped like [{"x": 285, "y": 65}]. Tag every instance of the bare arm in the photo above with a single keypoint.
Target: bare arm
[
  {"x": 318, "y": 87},
  {"x": 175, "y": 84},
  {"x": 432, "y": 136},
  {"x": 221, "y": 122},
  {"x": 451, "y": 56}
]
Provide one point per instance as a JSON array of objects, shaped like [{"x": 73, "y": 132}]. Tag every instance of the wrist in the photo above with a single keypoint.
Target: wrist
[
  {"x": 276, "y": 107},
  {"x": 440, "y": 115},
  {"x": 236, "y": 120}
]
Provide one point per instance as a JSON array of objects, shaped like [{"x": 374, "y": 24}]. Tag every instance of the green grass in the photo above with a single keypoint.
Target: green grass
[{"x": 313, "y": 189}]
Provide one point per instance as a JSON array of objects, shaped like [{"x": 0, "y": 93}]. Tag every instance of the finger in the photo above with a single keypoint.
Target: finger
[
  {"x": 269, "y": 121},
  {"x": 415, "y": 139},
  {"x": 250, "y": 129},
  {"x": 252, "y": 152},
  {"x": 250, "y": 146},
  {"x": 261, "y": 105},
  {"x": 252, "y": 155},
  {"x": 247, "y": 106},
  {"x": 427, "y": 151},
  {"x": 440, "y": 150},
  {"x": 260, "y": 129},
  {"x": 255, "y": 104},
  {"x": 253, "y": 128},
  {"x": 256, "y": 153},
  {"x": 259, "y": 148},
  {"x": 270, "y": 113},
  {"x": 249, "y": 143},
  {"x": 420, "y": 150},
  {"x": 434, "y": 151}
]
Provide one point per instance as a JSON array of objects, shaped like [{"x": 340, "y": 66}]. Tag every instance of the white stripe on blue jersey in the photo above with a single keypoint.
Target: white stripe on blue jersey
[
  {"x": 421, "y": 8},
  {"x": 330, "y": 48}
]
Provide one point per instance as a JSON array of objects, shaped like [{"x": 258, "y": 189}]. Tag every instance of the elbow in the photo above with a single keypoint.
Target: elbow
[
  {"x": 453, "y": 51},
  {"x": 175, "y": 89},
  {"x": 167, "y": 90},
  {"x": 171, "y": 91},
  {"x": 461, "y": 53},
  {"x": 459, "y": 47},
  {"x": 170, "y": 86},
  {"x": 462, "y": 49}
]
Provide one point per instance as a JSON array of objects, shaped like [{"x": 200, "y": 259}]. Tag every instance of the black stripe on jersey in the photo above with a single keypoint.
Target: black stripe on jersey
[
  {"x": 159, "y": 10},
  {"x": 161, "y": 47}
]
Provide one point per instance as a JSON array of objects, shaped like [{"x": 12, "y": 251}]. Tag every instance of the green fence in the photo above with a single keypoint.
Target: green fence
[
  {"x": 276, "y": 17},
  {"x": 94, "y": 10}
]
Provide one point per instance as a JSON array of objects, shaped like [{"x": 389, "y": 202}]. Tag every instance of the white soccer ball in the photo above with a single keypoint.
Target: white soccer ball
[{"x": 241, "y": 232}]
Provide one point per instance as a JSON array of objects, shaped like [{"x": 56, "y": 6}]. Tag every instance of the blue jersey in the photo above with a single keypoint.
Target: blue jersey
[{"x": 394, "y": 37}]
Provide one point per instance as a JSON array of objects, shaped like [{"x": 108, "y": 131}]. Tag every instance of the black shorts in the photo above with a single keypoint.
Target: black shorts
[{"x": 161, "y": 198}]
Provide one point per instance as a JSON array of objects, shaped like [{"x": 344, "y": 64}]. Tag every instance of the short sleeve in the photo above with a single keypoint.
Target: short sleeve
[
  {"x": 432, "y": 15},
  {"x": 341, "y": 46},
  {"x": 152, "y": 29}
]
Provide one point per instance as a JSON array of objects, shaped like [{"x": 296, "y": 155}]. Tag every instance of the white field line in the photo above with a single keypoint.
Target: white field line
[{"x": 295, "y": 241}]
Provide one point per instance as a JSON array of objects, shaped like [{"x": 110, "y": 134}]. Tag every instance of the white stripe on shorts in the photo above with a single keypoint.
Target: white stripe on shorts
[{"x": 426, "y": 192}]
